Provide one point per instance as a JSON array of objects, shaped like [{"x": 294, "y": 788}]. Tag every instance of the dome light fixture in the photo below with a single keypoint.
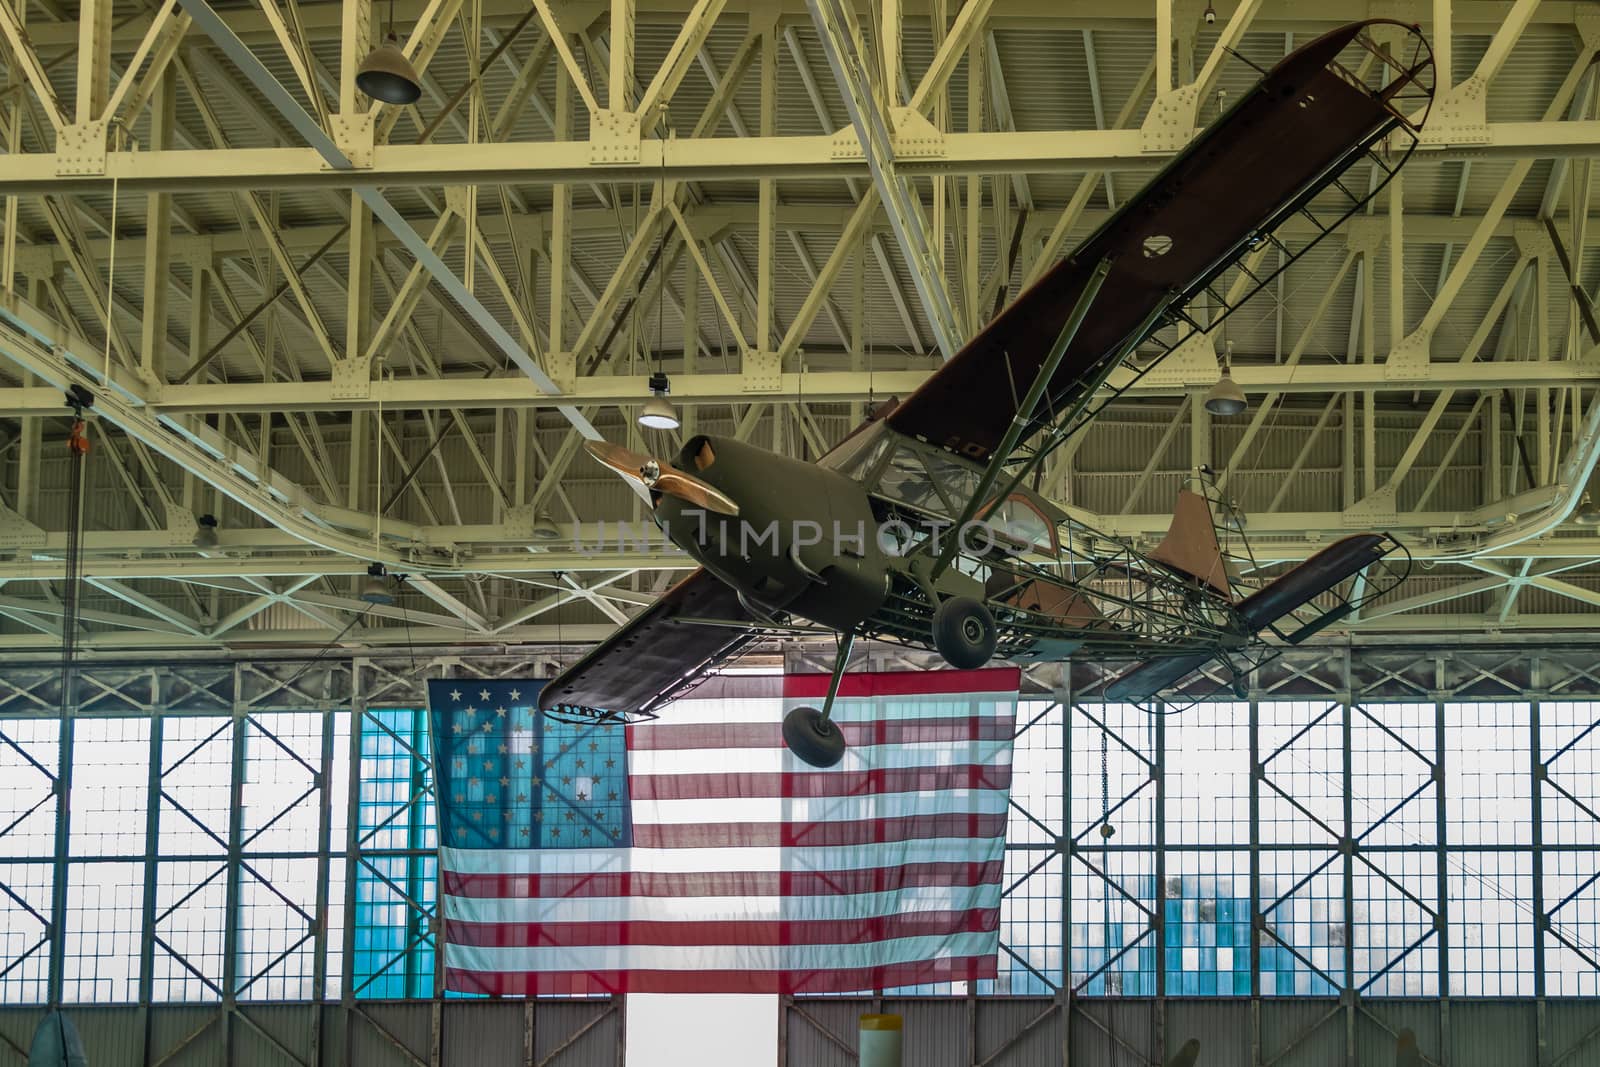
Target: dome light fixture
[
  {"x": 376, "y": 590},
  {"x": 1225, "y": 397},
  {"x": 386, "y": 74},
  {"x": 205, "y": 534},
  {"x": 1587, "y": 514},
  {"x": 658, "y": 412}
]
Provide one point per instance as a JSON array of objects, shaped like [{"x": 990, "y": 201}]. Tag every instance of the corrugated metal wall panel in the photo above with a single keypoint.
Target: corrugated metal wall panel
[
  {"x": 555, "y": 1022},
  {"x": 273, "y": 1035},
  {"x": 484, "y": 1033},
  {"x": 1483, "y": 1033},
  {"x": 808, "y": 1047},
  {"x": 408, "y": 1024},
  {"x": 175, "y": 1025},
  {"x": 1000, "y": 1022},
  {"x": 17, "y": 1024},
  {"x": 1491, "y": 1032},
  {"x": 1221, "y": 1027}
]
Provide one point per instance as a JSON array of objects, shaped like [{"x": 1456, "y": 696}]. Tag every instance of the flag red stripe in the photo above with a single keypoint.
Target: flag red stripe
[
  {"x": 817, "y": 834},
  {"x": 907, "y": 683},
  {"x": 725, "y": 932},
  {"x": 588, "y": 983},
  {"x": 722, "y": 883},
  {"x": 704, "y": 735},
  {"x": 809, "y": 784}
]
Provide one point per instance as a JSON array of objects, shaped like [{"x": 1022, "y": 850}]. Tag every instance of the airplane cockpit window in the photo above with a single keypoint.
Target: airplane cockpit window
[
  {"x": 957, "y": 479},
  {"x": 906, "y": 479},
  {"x": 1017, "y": 522},
  {"x": 928, "y": 481}
]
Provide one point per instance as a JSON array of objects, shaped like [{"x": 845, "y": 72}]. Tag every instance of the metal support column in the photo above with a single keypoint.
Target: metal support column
[
  {"x": 1442, "y": 858},
  {"x": 147, "y": 921},
  {"x": 1348, "y": 847},
  {"x": 1541, "y": 1037},
  {"x": 1255, "y": 884},
  {"x": 1158, "y": 773}
]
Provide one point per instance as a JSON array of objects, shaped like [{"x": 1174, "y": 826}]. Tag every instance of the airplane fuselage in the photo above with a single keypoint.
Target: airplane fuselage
[{"x": 804, "y": 541}]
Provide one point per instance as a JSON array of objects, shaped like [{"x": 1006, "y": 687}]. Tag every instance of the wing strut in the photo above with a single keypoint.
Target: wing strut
[{"x": 1024, "y": 416}]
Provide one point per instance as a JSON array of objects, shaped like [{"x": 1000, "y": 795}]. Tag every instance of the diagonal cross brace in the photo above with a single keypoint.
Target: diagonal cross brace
[
  {"x": 841, "y": 40},
  {"x": 207, "y": 19}
]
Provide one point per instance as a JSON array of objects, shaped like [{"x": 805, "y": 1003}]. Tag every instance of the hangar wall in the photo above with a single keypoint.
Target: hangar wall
[{"x": 1352, "y": 802}]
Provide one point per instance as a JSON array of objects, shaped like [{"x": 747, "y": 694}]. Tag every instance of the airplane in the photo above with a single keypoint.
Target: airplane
[{"x": 852, "y": 542}]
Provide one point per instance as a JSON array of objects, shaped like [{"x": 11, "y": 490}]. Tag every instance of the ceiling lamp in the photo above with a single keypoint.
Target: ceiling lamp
[
  {"x": 546, "y": 530},
  {"x": 205, "y": 534},
  {"x": 658, "y": 412},
  {"x": 1587, "y": 514},
  {"x": 387, "y": 75},
  {"x": 1225, "y": 398},
  {"x": 1232, "y": 517},
  {"x": 1211, "y": 14},
  {"x": 376, "y": 590}
]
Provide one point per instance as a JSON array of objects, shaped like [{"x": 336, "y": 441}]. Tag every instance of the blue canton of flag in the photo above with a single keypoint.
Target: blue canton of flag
[{"x": 508, "y": 777}]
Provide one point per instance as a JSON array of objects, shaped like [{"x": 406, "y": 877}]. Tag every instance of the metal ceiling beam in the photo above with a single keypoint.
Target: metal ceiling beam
[
  {"x": 708, "y": 159},
  {"x": 1471, "y": 17},
  {"x": 477, "y": 393}
]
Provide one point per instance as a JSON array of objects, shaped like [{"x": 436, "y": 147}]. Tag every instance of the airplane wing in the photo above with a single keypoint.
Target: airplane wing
[
  {"x": 657, "y": 655},
  {"x": 1288, "y": 139}
]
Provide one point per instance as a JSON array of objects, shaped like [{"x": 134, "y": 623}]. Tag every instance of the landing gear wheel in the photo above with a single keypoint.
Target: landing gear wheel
[
  {"x": 964, "y": 633},
  {"x": 814, "y": 739}
]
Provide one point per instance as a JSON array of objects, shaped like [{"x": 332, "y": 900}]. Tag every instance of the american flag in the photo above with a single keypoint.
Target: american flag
[{"x": 695, "y": 853}]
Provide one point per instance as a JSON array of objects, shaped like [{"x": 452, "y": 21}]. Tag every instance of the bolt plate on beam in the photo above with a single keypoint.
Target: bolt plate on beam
[
  {"x": 1410, "y": 359},
  {"x": 355, "y": 137},
  {"x": 613, "y": 137},
  {"x": 81, "y": 148},
  {"x": 1170, "y": 124},
  {"x": 1459, "y": 116},
  {"x": 1372, "y": 512},
  {"x": 352, "y": 379},
  {"x": 1365, "y": 234},
  {"x": 17, "y": 532},
  {"x": 763, "y": 372},
  {"x": 1192, "y": 362}
]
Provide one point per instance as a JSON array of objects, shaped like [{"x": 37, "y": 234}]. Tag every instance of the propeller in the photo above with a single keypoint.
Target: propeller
[
  {"x": 1187, "y": 1055},
  {"x": 653, "y": 474},
  {"x": 1405, "y": 1052}
]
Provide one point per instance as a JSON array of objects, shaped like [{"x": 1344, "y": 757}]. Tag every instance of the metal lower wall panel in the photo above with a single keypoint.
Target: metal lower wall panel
[
  {"x": 1295, "y": 1032},
  {"x": 472, "y": 1033}
]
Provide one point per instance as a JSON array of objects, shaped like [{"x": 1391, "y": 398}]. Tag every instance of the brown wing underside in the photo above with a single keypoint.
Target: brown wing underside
[
  {"x": 656, "y": 653},
  {"x": 1233, "y": 180}
]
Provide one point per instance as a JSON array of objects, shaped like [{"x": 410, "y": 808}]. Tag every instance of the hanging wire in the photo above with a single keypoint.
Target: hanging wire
[{"x": 78, "y": 447}]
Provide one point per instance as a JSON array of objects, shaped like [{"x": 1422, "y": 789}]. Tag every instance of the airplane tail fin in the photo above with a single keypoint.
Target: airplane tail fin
[
  {"x": 1191, "y": 547},
  {"x": 1300, "y": 586}
]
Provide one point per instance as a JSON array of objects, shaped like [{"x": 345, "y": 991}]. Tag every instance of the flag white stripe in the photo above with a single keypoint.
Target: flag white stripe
[
  {"x": 771, "y": 709},
  {"x": 719, "y": 909},
  {"x": 719, "y": 957},
  {"x": 712, "y": 860},
  {"x": 823, "y": 809},
  {"x": 856, "y": 758}
]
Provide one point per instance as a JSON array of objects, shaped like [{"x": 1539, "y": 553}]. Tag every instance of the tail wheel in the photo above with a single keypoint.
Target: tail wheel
[
  {"x": 815, "y": 740},
  {"x": 964, "y": 632}
]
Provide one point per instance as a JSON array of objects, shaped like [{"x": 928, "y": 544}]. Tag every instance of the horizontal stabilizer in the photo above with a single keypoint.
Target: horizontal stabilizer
[
  {"x": 1152, "y": 676},
  {"x": 1340, "y": 560}
]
